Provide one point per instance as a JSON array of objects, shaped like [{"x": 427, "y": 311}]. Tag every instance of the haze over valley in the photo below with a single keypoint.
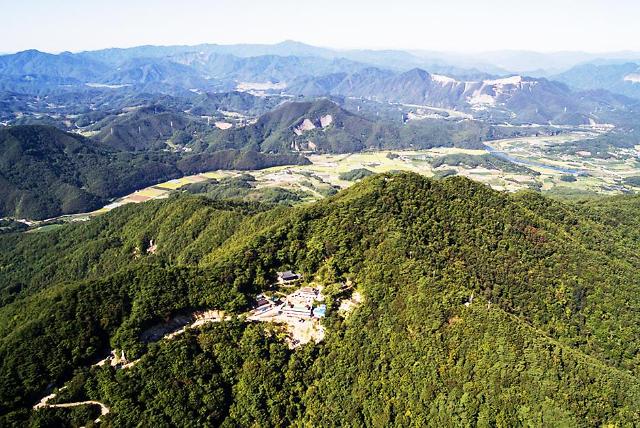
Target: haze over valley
[{"x": 436, "y": 228}]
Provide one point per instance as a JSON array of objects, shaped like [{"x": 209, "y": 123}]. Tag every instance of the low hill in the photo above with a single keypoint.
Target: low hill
[
  {"x": 45, "y": 172},
  {"x": 475, "y": 307},
  {"x": 147, "y": 128}
]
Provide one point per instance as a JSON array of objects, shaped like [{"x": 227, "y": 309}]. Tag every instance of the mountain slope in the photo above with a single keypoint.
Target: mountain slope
[
  {"x": 156, "y": 74},
  {"x": 323, "y": 126},
  {"x": 45, "y": 172},
  {"x": 618, "y": 78},
  {"x": 302, "y": 126},
  {"x": 537, "y": 345},
  {"x": 514, "y": 99},
  {"x": 146, "y": 128}
]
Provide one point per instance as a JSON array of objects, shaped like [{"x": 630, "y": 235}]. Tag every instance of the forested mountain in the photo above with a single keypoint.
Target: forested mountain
[
  {"x": 243, "y": 102},
  {"x": 324, "y": 126},
  {"x": 146, "y": 128},
  {"x": 618, "y": 78},
  {"x": 478, "y": 308},
  {"x": 45, "y": 172},
  {"x": 65, "y": 65},
  {"x": 303, "y": 126},
  {"x": 155, "y": 75}
]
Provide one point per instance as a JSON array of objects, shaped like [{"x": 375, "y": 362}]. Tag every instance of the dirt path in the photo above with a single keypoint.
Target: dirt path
[
  {"x": 44, "y": 403},
  {"x": 103, "y": 409},
  {"x": 204, "y": 318}
]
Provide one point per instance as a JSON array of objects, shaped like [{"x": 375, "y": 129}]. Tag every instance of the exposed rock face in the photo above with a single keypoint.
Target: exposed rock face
[
  {"x": 326, "y": 120},
  {"x": 223, "y": 125},
  {"x": 633, "y": 78},
  {"x": 306, "y": 125}
]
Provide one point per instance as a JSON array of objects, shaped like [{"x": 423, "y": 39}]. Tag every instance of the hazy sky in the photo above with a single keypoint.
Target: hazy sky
[{"x": 459, "y": 25}]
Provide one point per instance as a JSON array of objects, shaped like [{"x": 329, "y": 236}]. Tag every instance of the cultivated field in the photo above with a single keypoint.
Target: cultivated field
[{"x": 549, "y": 171}]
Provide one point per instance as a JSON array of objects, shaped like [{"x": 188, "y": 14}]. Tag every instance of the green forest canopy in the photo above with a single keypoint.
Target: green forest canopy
[{"x": 551, "y": 337}]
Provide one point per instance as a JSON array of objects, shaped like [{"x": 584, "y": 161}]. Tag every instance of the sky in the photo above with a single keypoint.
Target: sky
[{"x": 445, "y": 25}]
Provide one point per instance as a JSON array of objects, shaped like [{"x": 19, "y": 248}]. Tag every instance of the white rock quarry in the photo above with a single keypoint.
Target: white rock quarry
[
  {"x": 490, "y": 92},
  {"x": 444, "y": 80},
  {"x": 223, "y": 125},
  {"x": 326, "y": 120},
  {"x": 633, "y": 78},
  {"x": 306, "y": 125},
  {"x": 513, "y": 80}
]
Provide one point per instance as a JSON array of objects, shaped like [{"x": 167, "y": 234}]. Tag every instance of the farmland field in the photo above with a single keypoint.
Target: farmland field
[{"x": 542, "y": 169}]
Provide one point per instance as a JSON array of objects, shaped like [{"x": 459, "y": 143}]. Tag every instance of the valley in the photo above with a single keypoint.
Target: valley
[
  {"x": 272, "y": 235},
  {"x": 566, "y": 175}
]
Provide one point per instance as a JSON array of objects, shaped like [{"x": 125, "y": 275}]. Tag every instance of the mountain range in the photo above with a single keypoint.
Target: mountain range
[
  {"x": 618, "y": 78},
  {"x": 514, "y": 99},
  {"x": 299, "y": 69}
]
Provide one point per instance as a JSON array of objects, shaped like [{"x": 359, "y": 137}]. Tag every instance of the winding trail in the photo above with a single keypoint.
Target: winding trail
[{"x": 44, "y": 403}]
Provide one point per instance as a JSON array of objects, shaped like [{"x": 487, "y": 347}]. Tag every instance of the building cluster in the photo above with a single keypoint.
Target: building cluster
[
  {"x": 300, "y": 304},
  {"x": 288, "y": 277}
]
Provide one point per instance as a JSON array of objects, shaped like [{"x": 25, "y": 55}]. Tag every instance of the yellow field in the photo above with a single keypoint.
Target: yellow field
[
  {"x": 324, "y": 172},
  {"x": 151, "y": 192},
  {"x": 173, "y": 184}
]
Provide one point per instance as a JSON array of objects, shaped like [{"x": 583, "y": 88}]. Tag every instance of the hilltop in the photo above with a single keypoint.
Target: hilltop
[
  {"x": 478, "y": 307},
  {"x": 324, "y": 126}
]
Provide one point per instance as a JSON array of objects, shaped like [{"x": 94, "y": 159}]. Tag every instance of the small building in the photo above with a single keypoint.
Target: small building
[
  {"x": 262, "y": 303},
  {"x": 308, "y": 293},
  {"x": 297, "y": 311},
  {"x": 288, "y": 277}
]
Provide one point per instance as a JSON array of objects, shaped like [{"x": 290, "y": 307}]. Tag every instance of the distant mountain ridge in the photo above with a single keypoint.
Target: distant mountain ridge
[
  {"x": 187, "y": 70},
  {"x": 618, "y": 78},
  {"x": 515, "y": 98},
  {"x": 386, "y": 76}
]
